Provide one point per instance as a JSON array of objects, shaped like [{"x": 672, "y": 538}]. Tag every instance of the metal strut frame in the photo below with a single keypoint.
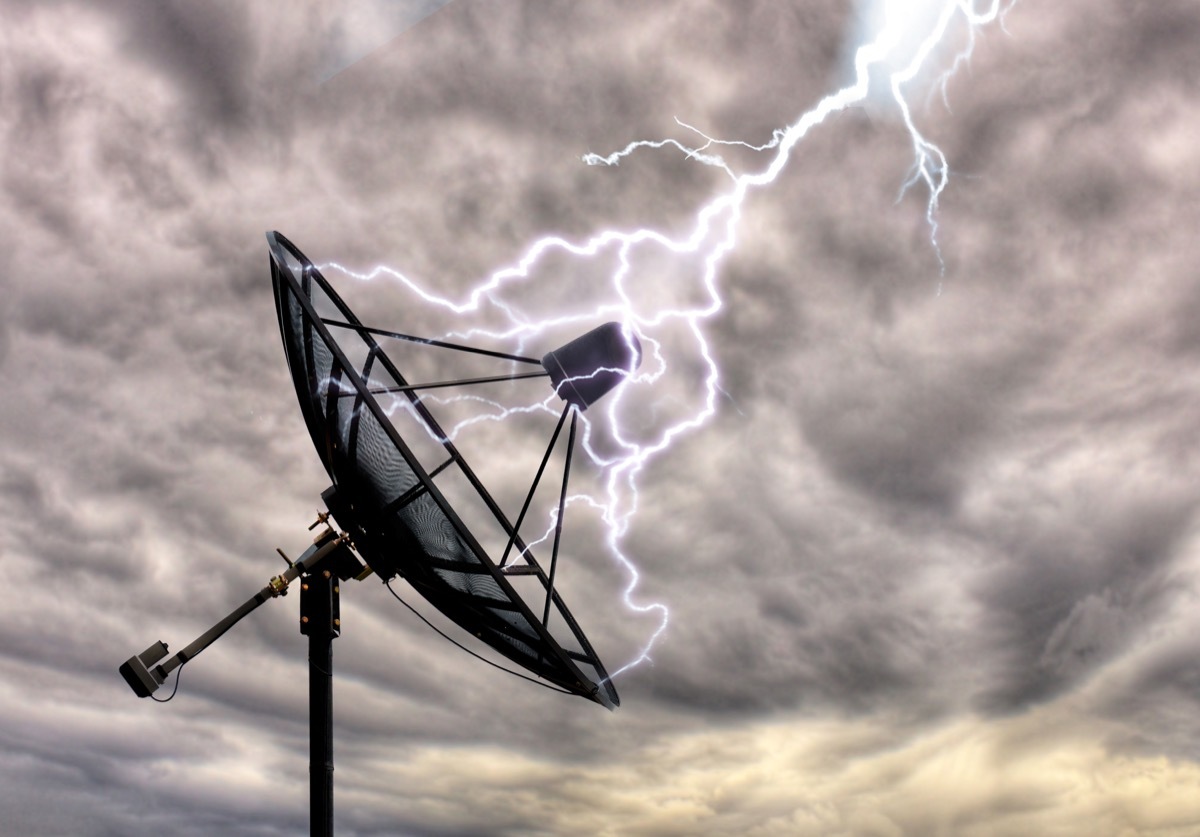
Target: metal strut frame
[
  {"x": 457, "y": 382},
  {"x": 490, "y": 607}
]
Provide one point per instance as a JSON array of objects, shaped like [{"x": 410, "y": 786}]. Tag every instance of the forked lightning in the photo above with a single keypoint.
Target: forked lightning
[{"x": 907, "y": 41}]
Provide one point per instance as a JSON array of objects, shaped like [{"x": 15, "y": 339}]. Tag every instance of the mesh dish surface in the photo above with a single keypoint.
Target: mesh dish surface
[{"x": 399, "y": 520}]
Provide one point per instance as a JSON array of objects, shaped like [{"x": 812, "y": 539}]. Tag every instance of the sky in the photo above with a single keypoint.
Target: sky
[{"x": 931, "y": 567}]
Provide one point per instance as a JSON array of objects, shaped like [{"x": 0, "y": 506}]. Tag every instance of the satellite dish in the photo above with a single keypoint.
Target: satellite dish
[
  {"x": 398, "y": 518},
  {"x": 393, "y": 508}
]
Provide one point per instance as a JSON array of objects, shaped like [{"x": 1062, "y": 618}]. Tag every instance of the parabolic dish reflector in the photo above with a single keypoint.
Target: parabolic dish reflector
[{"x": 390, "y": 502}]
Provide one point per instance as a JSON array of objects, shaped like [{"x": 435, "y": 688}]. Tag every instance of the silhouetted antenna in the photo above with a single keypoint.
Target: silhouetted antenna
[{"x": 394, "y": 514}]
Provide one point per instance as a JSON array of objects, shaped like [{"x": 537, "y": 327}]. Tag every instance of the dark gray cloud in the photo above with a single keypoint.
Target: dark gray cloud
[
  {"x": 1156, "y": 701},
  {"x": 1076, "y": 593},
  {"x": 206, "y": 51},
  {"x": 936, "y": 517}
]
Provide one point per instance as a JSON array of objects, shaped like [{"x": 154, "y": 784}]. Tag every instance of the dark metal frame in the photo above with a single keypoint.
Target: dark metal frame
[
  {"x": 554, "y": 663},
  {"x": 331, "y": 559}
]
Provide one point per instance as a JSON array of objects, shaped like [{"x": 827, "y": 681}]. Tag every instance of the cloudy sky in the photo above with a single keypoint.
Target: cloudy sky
[{"x": 932, "y": 566}]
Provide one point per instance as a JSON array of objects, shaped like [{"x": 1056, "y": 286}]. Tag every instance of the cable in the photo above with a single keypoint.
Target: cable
[
  {"x": 544, "y": 685},
  {"x": 178, "y": 672}
]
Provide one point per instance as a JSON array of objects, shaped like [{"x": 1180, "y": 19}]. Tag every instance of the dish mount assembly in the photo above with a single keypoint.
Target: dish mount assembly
[{"x": 391, "y": 508}]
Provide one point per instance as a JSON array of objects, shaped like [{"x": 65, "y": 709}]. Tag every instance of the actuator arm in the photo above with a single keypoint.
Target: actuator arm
[{"x": 144, "y": 677}]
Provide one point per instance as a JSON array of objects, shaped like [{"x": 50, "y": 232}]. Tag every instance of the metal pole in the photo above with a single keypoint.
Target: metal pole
[{"x": 319, "y": 619}]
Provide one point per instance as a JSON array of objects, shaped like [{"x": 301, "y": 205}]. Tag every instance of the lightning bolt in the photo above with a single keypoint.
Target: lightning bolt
[{"x": 902, "y": 43}]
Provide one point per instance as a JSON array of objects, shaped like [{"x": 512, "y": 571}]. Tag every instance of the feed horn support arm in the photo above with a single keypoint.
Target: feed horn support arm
[{"x": 144, "y": 676}]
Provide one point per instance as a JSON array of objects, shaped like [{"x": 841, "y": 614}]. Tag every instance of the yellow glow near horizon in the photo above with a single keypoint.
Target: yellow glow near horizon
[{"x": 1043, "y": 773}]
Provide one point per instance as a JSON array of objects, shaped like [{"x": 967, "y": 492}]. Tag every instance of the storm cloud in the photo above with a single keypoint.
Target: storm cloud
[{"x": 931, "y": 567}]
